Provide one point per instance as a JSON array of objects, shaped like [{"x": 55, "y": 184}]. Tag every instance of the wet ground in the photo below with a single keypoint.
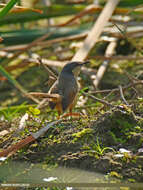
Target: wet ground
[{"x": 110, "y": 145}]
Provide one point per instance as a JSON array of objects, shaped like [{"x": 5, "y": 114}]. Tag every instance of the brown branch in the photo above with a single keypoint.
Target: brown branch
[
  {"x": 95, "y": 32},
  {"x": 14, "y": 148},
  {"x": 72, "y": 37},
  {"x": 109, "y": 52},
  {"x": 21, "y": 9},
  {"x": 33, "y": 43},
  {"x": 87, "y": 10},
  {"x": 45, "y": 95}
]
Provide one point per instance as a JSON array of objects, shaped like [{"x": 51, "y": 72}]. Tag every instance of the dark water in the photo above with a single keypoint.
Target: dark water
[{"x": 26, "y": 174}]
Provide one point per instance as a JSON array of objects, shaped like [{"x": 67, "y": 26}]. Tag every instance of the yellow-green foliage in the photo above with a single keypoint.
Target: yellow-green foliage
[
  {"x": 83, "y": 134},
  {"x": 34, "y": 111},
  {"x": 115, "y": 174}
]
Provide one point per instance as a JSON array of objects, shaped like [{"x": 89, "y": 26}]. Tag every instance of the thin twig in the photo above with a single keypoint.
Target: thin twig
[
  {"x": 61, "y": 39},
  {"x": 117, "y": 89},
  {"x": 116, "y": 57},
  {"x": 48, "y": 69},
  {"x": 98, "y": 99},
  {"x": 32, "y": 44},
  {"x": 89, "y": 9},
  {"x": 131, "y": 78},
  {"x": 122, "y": 95},
  {"x": 121, "y": 108}
]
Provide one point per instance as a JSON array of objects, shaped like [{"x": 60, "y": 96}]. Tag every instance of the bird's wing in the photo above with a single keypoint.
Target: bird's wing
[
  {"x": 53, "y": 90},
  {"x": 68, "y": 98}
]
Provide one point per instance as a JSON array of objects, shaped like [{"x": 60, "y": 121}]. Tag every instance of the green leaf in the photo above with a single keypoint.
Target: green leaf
[
  {"x": 84, "y": 89},
  {"x": 48, "y": 12},
  {"x": 11, "y": 79},
  {"x": 126, "y": 3},
  {"x": 26, "y": 36},
  {"x": 7, "y": 8},
  {"x": 34, "y": 111},
  {"x": 130, "y": 3},
  {"x": 18, "y": 108}
]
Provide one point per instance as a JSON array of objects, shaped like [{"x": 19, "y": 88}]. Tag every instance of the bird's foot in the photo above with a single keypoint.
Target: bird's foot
[{"x": 75, "y": 114}]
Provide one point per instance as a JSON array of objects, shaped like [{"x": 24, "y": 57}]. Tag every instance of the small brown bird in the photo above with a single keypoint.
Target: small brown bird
[{"x": 67, "y": 87}]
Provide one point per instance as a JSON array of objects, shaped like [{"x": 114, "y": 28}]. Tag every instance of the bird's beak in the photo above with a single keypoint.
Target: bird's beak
[{"x": 76, "y": 71}]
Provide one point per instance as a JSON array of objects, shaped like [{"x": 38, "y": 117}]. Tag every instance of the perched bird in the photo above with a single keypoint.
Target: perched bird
[{"x": 66, "y": 86}]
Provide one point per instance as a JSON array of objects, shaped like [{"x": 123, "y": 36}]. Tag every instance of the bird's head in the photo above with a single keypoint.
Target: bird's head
[{"x": 72, "y": 66}]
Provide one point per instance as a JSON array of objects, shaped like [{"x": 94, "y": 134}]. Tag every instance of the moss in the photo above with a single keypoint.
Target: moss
[
  {"x": 115, "y": 174},
  {"x": 83, "y": 135}
]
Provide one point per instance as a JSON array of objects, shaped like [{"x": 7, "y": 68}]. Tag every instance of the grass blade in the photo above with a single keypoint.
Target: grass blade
[
  {"x": 7, "y": 8},
  {"x": 10, "y": 78},
  {"x": 48, "y": 12},
  {"x": 15, "y": 83}
]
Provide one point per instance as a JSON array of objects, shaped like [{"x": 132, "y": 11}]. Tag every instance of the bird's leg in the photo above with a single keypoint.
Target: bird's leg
[
  {"x": 72, "y": 114},
  {"x": 59, "y": 116},
  {"x": 59, "y": 110}
]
